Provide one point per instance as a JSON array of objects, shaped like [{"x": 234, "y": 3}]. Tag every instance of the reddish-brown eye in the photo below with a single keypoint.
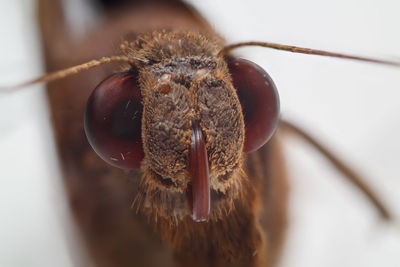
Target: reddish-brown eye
[
  {"x": 113, "y": 121},
  {"x": 259, "y": 99}
]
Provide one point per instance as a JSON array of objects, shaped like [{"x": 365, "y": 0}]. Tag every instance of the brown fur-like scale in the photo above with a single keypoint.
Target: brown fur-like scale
[
  {"x": 249, "y": 193},
  {"x": 199, "y": 89}
]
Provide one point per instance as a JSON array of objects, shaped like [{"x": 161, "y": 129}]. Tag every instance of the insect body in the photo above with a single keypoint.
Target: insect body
[
  {"x": 193, "y": 136},
  {"x": 169, "y": 203}
]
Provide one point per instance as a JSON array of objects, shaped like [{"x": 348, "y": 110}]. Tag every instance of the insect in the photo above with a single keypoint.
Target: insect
[{"x": 275, "y": 78}]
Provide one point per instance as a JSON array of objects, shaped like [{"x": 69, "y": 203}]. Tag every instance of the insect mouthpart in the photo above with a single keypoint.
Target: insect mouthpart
[{"x": 200, "y": 197}]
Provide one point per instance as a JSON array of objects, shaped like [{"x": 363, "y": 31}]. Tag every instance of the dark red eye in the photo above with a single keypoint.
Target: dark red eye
[
  {"x": 113, "y": 119},
  {"x": 259, "y": 99}
]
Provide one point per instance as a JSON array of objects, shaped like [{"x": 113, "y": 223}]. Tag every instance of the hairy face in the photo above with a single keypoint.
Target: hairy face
[{"x": 177, "y": 93}]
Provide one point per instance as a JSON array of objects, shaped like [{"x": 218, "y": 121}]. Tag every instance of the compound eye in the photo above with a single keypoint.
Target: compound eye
[
  {"x": 259, "y": 99},
  {"x": 113, "y": 119}
]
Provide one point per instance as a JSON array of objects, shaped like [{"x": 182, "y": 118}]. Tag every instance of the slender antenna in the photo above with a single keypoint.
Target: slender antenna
[
  {"x": 342, "y": 167},
  {"x": 71, "y": 71},
  {"x": 302, "y": 50}
]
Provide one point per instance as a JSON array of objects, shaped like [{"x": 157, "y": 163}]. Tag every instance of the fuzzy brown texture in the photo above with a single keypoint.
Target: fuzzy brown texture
[
  {"x": 199, "y": 89},
  {"x": 248, "y": 192}
]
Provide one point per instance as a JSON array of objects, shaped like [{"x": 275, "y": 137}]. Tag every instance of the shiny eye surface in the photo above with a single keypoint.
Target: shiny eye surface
[
  {"x": 113, "y": 118},
  {"x": 259, "y": 99}
]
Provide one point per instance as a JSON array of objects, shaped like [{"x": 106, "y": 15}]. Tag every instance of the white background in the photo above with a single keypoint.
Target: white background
[{"x": 352, "y": 107}]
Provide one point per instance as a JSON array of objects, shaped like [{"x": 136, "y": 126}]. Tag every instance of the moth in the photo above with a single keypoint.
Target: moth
[{"x": 88, "y": 76}]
